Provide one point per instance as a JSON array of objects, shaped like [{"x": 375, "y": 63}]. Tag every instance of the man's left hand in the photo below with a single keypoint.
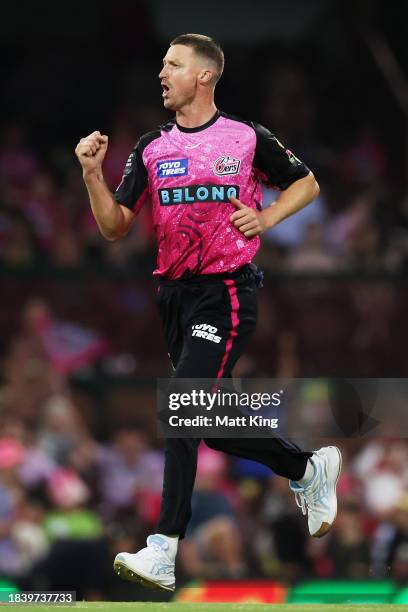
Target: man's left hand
[{"x": 249, "y": 221}]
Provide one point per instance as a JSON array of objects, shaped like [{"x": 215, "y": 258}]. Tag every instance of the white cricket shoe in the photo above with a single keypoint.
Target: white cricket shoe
[
  {"x": 152, "y": 566},
  {"x": 318, "y": 498}
]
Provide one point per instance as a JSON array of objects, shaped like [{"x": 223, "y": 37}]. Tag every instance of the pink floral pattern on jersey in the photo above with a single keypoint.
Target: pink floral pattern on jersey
[{"x": 191, "y": 208}]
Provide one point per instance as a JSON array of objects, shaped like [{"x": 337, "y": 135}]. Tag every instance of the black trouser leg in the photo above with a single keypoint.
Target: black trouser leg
[
  {"x": 230, "y": 308},
  {"x": 283, "y": 457}
]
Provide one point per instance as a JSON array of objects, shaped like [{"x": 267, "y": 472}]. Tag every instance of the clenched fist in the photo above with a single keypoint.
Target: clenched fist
[{"x": 91, "y": 151}]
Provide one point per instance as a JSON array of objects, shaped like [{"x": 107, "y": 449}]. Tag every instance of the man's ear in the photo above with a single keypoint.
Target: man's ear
[{"x": 205, "y": 76}]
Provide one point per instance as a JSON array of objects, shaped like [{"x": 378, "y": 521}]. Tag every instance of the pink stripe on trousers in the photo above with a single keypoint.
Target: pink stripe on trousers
[{"x": 232, "y": 290}]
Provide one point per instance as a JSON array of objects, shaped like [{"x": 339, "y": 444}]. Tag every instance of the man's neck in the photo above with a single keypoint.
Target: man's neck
[{"x": 194, "y": 117}]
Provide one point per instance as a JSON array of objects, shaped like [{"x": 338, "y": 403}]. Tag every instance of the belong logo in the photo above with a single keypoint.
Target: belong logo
[
  {"x": 197, "y": 193},
  {"x": 172, "y": 167}
]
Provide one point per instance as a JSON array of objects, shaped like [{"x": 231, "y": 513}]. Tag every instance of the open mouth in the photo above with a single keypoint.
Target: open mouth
[{"x": 165, "y": 90}]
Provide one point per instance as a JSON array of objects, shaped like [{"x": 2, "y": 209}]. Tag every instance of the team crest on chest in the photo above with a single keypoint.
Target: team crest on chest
[{"x": 225, "y": 165}]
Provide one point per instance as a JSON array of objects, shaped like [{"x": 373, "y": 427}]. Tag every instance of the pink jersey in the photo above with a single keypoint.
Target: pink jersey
[{"x": 190, "y": 175}]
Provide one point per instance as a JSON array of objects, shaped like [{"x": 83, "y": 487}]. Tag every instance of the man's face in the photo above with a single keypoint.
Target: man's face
[{"x": 181, "y": 67}]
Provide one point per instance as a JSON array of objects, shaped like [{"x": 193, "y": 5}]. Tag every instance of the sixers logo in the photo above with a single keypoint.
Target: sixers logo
[{"x": 226, "y": 165}]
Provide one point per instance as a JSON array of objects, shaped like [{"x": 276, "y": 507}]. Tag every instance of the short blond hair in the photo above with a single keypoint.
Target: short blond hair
[{"x": 206, "y": 47}]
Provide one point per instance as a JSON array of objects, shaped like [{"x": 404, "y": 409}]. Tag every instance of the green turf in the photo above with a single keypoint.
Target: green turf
[{"x": 107, "y": 606}]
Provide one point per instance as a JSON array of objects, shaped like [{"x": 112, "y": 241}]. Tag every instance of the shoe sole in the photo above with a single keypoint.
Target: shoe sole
[
  {"x": 126, "y": 573},
  {"x": 325, "y": 527}
]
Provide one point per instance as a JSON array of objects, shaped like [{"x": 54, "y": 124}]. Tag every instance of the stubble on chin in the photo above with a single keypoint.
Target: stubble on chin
[{"x": 170, "y": 106}]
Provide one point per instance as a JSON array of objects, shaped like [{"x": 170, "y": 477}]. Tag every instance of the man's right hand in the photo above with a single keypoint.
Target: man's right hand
[{"x": 91, "y": 152}]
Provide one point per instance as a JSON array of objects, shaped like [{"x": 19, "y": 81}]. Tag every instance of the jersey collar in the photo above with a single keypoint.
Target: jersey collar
[{"x": 200, "y": 127}]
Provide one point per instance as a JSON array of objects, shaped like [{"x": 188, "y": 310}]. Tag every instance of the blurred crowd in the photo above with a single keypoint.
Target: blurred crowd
[
  {"x": 359, "y": 222},
  {"x": 73, "y": 492},
  {"x": 69, "y": 503},
  {"x": 45, "y": 218}
]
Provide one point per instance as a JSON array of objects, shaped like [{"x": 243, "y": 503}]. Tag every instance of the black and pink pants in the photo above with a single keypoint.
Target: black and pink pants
[{"x": 208, "y": 321}]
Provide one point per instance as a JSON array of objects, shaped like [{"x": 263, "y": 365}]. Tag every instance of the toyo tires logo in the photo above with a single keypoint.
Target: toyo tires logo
[
  {"x": 225, "y": 165},
  {"x": 172, "y": 167}
]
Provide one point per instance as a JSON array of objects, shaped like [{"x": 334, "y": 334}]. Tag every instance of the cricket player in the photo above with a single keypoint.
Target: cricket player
[{"x": 203, "y": 171}]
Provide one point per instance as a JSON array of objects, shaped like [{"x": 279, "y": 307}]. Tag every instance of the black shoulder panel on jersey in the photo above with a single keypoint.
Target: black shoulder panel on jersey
[
  {"x": 166, "y": 127},
  {"x": 276, "y": 165},
  {"x": 134, "y": 181},
  {"x": 234, "y": 118}
]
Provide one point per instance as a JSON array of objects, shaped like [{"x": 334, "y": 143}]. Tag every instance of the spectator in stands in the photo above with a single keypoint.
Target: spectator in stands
[
  {"x": 282, "y": 539},
  {"x": 19, "y": 164},
  {"x": 390, "y": 544},
  {"x": 348, "y": 550},
  {"x": 313, "y": 254},
  {"x": 212, "y": 546},
  {"x": 136, "y": 471}
]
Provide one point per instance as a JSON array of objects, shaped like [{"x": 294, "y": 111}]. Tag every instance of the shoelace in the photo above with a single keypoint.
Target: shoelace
[
  {"x": 163, "y": 566},
  {"x": 306, "y": 502},
  {"x": 158, "y": 549},
  {"x": 301, "y": 502}
]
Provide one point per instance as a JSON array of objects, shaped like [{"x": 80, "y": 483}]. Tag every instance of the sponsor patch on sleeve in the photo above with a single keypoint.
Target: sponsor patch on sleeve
[
  {"x": 172, "y": 167},
  {"x": 292, "y": 157}
]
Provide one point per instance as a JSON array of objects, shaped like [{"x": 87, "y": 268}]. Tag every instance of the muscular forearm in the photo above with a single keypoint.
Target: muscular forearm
[
  {"x": 107, "y": 212},
  {"x": 294, "y": 198}
]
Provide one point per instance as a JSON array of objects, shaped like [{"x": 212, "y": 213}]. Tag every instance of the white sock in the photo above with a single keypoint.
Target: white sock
[
  {"x": 308, "y": 475},
  {"x": 172, "y": 542}
]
